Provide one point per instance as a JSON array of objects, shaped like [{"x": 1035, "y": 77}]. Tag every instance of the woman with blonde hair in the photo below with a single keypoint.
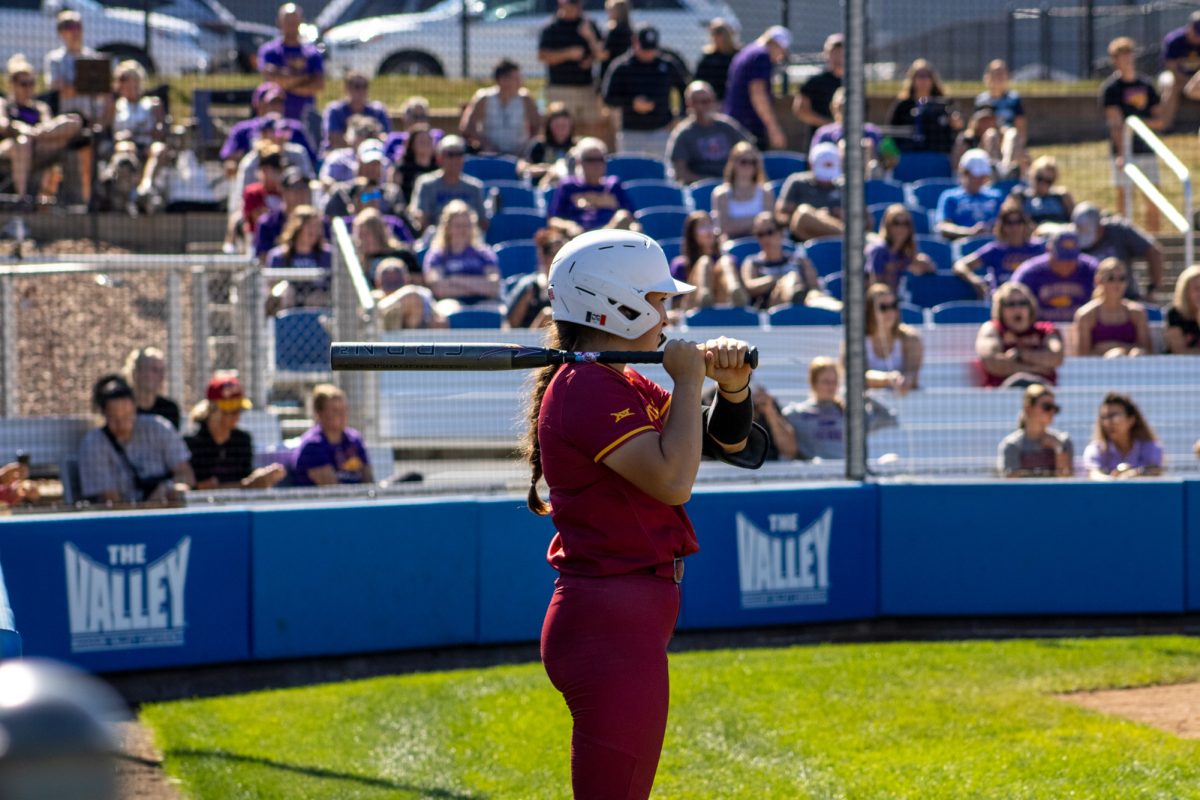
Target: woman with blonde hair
[
  {"x": 713, "y": 66},
  {"x": 1109, "y": 325},
  {"x": 1034, "y": 449},
  {"x": 743, "y": 194},
  {"x": 1014, "y": 347},
  {"x": 136, "y": 116},
  {"x": 1123, "y": 445},
  {"x": 894, "y": 254},
  {"x": 146, "y": 370},
  {"x": 33, "y": 136},
  {"x": 819, "y": 421},
  {"x": 1182, "y": 332},
  {"x": 459, "y": 268},
  {"x": 1045, "y": 202},
  {"x": 374, "y": 241},
  {"x": 894, "y": 349}
]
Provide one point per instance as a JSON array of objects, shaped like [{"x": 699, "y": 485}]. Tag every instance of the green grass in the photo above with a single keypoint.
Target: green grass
[{"x": 942, "y": 720}]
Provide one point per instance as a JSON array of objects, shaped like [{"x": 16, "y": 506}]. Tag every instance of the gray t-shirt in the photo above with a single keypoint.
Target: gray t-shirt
[
  {"x": 431, "y": 193},
  {"x": 705, "y": 148},
  {"x": 60, "y": 66},
  {"x": 156, "y": 448},
  {"x": 820, "y": 426},
  {"x": 1017, "y": 452},
  {"x": 801, "y": 188},
  {"x": 1124, "y": 241}
]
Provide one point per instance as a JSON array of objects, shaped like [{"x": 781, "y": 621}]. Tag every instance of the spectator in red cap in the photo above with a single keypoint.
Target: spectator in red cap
[{"x": 223, "y": 453}]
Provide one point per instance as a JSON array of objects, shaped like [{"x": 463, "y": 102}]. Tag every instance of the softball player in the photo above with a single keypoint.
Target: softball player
[{"x": 620, "y": 455}]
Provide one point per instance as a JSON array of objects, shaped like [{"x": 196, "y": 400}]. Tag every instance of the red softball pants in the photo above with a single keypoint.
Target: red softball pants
[{"x": 604, "y": 646}]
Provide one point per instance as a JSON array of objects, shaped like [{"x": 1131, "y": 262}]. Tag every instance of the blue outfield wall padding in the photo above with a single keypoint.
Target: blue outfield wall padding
[
  {"x": 515, "y": 582},
  {"x": 10, "y": 644},
  {"x": 782, "y": 556},
  {"x": 1191, "y": 542},
  {"x": 140, "y": 590},
  {"x": 347, "y": 579},
  {"x": 1031, "y": 547}
]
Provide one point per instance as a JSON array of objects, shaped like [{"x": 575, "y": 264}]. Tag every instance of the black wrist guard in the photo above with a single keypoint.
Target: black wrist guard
[{"x": 728, "y": 422}]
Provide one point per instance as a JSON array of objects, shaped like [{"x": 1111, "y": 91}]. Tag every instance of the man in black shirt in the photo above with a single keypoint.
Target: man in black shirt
[
  {"x": 639, "y": 84},
  {"x": 222, "y": 453},
  {"x": 1124, "y": 94},
  {"x": 569, "y": 46},
  {"x": 811, "y": 105}
]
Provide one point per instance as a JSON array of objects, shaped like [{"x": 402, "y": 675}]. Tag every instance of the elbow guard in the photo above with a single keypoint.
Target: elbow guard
[{"x": 731, "y": 423}]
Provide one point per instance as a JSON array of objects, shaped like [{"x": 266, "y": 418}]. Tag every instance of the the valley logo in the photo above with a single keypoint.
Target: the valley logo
[
  {"x": 127, "y": 603},
  {"x": 784, "y": 566}
]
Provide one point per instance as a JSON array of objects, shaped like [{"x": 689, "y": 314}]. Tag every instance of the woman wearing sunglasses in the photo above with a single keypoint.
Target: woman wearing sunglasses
[
  {"x": 774, "y": 277},
  {"x": 895, "y": 253},
  {"x": 994, "y": 263},
  {"x": 894, "y": 350},
  {"x": 1109, "y": 325},
  {"x": 1123, "y": 445},
  {"x": 1045, "y": 202},
  {"x": 744, "y": 193},
  {"x": 1034, "y": 449},
  {"x": 1015, "y": 348}
]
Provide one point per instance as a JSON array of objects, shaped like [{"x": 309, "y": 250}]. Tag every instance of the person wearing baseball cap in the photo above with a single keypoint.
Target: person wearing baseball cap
[
  {"x": 639, "y": 84},
  {"x": 433, "y": 190},
  {"x": 223, "y": 453},
  {"x": 811, "y": 105},
  {"x": 972, "y": 208},
  {"x": 1112, "y": 237},
  {"x": 266, "y": 101},
  {"x": 748, "y": 90},
  {"x": 810, "y": 203},
  {"x": 1062, "y": 279}
]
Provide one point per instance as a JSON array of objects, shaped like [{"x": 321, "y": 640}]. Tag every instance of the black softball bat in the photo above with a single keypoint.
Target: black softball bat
[{"x": 475, "y": 357}]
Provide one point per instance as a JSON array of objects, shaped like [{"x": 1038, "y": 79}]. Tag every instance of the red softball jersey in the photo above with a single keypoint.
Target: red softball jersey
[{"x": 606, "y": 525}]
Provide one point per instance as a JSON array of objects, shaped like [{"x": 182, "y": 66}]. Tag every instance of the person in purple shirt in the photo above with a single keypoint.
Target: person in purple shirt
[
  {"x": 329, "y": 451},
  {"x": 294, "y": 193},
  {"x": 748, "y": 90},
  {"x": 338, "y": 113},
  {"x": 1181, "y": 64},
  {"x": 1062, "y": 279},
  {"x": 994, "y": 263},
  {"x": 297, "y": 66},
  {"x": 894, "y": 254},
  {"x": 266, "y": 101},
  {"x": 1123, "y": 445},
  {"x": 590, "y": 198},
  {"x": 459, "y": 268},
  {"x": 833, "y": 133}
]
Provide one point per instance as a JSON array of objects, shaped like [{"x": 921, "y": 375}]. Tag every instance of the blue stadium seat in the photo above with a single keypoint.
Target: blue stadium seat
[
  {"x": 721, "y": 317},
  {"x": 1005, "y": 187},
  {"x": 503, "y": 195},
  {"x": 776, "y": 186},
  {"x": 920, "y": 217},
  {"x": 937, "y": 249},
  {"x": 491, "y": 168},
  {"x": 925, "y": 193},
  {"x": 516, "y": 223},
  {"x": 916, "y": 166},
  {"x": 825, "y": 253},
  {"x": 964, "y": 247},
  {"x": 740, "y": 249},
  {"x": 797, "y": 314},
  {"x": 636, "y": 168},
  {"x": 651, "y": 193},
  {"x": 662, "y": 222},
  {"x": 779, "y": 164},
  {"x": 516, "y": 257},
  {"x": 1153, "y": 313},
  {"x": 912, "y": 315},
  {"x": 960, "y": 311},
  {"x": 475, "y": 318},
  {"x": 671, "y": 247},
  {"x": 935, "y": 288},
  {"x": 701, "y": 192},
  {"x": 301, "y": 341},
  {"x": 886, "y": 192},
  {"x": 833, "y": 285},
  {"x": 545, "y": 195}
]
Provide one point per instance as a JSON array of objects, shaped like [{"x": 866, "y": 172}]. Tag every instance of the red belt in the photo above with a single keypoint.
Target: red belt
[{"x": 672, "y": 570}]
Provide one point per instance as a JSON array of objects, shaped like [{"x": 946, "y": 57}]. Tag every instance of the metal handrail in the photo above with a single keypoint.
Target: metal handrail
[
  {"x": 345, "y": 244},
  {"x": 1183, "y": 222}
]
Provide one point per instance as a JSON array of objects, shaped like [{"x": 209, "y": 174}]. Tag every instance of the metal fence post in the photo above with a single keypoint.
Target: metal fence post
[
  {"x": 854, "y": 197},
  {"x": 10, "y": 405},
  {"x": 175, "y": 334},
  {"x": 200, "y": 328},
  {"x": 252, "y": 316}
]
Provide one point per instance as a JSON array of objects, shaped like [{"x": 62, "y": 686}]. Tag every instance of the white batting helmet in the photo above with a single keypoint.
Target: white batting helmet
[{"x": 601, "y": 279}]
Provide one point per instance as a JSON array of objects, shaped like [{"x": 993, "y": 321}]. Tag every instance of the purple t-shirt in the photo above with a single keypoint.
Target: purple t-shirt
[
  {"x": 337, "y": 112},
  {"x": 244, "y": 134},
  {"x": 300, "y": 59},
  {"x": 1001, "y": 260},
  {"x": 472, "y": 262},
  {"x": 393, "y": 145},
  {"x": 679, "y": 268},
  {"x": 1058, "y": 296},
  {"x": 348, "y": 457},
  {"x": 753, "y": 62},
  {"x": 886, "y": 265},
  {"x": 572, "y": 190},
  {"x": 832, "y": 133},
  {"x": 1105, "y": 457},
  {"x": 1177, "y": 46},
  {"x": 318, "y": 259}
]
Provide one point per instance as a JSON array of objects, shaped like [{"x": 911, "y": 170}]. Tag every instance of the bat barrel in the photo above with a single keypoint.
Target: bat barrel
[{"x": 424, "y": 356}]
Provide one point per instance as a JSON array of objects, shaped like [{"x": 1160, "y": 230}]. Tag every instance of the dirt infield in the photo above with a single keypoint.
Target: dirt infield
[
  {"x": 1174, "y": 709},
  {"x": 139, "y": 768}
]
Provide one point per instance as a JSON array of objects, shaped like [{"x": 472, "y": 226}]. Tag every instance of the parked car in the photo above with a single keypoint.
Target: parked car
[
  {"x": 27, "y": 26},
  {"x": 231, "y": 44},
  {"x": 427, "y": 42}
]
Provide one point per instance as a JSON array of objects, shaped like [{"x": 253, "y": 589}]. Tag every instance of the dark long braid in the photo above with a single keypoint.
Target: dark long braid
[{"x": 560, "y": 336}]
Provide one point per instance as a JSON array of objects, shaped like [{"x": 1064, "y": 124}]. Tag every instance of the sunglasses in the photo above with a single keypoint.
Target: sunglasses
[
  {"x": 747, "y": 162},
  {"x": 1110, "y": 416},
  {"x": 1014, "y": 221},
  {"x": 592, "y": 159},
  {"x": 453, "y": 153},
  {"x": 1049, "y": 407},
  {"x": 24, "y": 82},
  {"x": 356, "y": 86},
  {"x": 1014, "y": 304},
  {"x": 900, "y": 223},
  {"x": 892, "y": 306},
  {"x": 1114, "y": 278},
  {"x": 767, "y": 232},
  {"x": 1046, "y": 178}
]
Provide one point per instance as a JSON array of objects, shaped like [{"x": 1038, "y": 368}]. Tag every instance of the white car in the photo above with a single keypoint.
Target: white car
[
  {"x": 27, "y": 26},
  {"x": 430, "y": 42}
]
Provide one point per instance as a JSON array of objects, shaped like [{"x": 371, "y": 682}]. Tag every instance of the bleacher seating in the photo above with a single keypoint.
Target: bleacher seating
[
  {"x": 636, "y": 168},
  {"x": 514, "y": 224},
  {"x": 957, "y": 311},
  {"x": 701, "y": 193},
  {"x": 935, "y": 288},
  {"x": 833, "y": 284},
  {"x": 1153, "y": 313},
  {"x": 662, "y": 222},
  {"x": 301, "y": 340},
  {"x": 938, "y": 250},
  {"x": 798, "y": 314},
  {"x": 671, "y": 247},
  {"x": 516, "y": 257},
  {"x": 1005, "y": 187},
  {"x": 965, "y": 247},
  {"x": 504, "y": 194},
  {"x": 475, "y": 318},
  {"x": 825, "y": 253},
  {"x": 911, "y": 314},
  {"x": 491, "y": 168},
  {"x": 740, "y": 249},
  {"x": 925, "y": 193},
  {"x": 885, "y": 193},
  {"x": 715, "y": 316},
  {"x": 654, "y": 193},
  {"x": 920, "y": 217},
  {"x": 779, "y": 164},
  {"x": 776, "y": 186},
  {"x": 916, "y": 166}
]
